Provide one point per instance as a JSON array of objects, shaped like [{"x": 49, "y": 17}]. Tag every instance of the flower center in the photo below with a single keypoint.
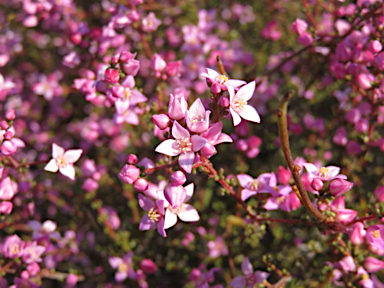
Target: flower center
[
  {"x": 195, "y": 119},
  {"x": 254, "y": 185},
  {"x": 153, "y": 215},
  {"x": 376, "y": 234},
  {"x": 176, "y": 209},
  {"x": 183, "y": 145},
  {"x": 238, "y": 104},
  {"x": 324, "y": 172},
  {"x": 123, "y": 267},
  {"x": 14, "y": 248},
  {"x": 60, "y": 161},
  {"x": 221, "y": 79},
  {"x": 127, "y": 93}
]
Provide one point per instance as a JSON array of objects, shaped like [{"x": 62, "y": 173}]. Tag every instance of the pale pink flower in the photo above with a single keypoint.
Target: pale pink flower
[
  {"x": 123, "y": 266},
  {"x": 220, "y": 82},
  {"x": 375, "y": 236},
  {"x": 250, "y": 278},
  {"x": 324, "y": 173},
  {"x": 63, "y": 161},
  {"x": 239, "y": 107},
  {"x": 155, "y": 216},
  {"x": 150, "y": 23},
  {"x": 176, "y": 196},
  {"x": 184, "y": 145},
  {"x": 253, "y": 186},
  {"x": 197, "y": 118}
]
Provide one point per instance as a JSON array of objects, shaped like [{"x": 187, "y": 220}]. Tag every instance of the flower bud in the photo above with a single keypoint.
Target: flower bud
[
  {"x": 129, "y": 174},
  {"x": 347, "y": 264},
  {"x": 133, "y": 16},
  {"x": 161, "y": 120},
  {"x": 241, "y": 145},
  {"x": 141, "y": 184},
  {"x": 148, "y": 266},
  {"x": 172, "y": 68},
  {"x": 177, "y": 107},
  {"x": 8, "y": 135},
  {"x": 317, "y": 184},
  {"x": 101, "y": 86},
  {"x": 178, "y": 178},
  {"x": 208, "y": 150},
  {"x": 305, "y": 39},
  {"x": 375, "y": 46},
  {"x": 90, "y": 185},
  {"x": 132, "y": 159},
  {"x": 299, "y": 26},
  {"x": 10, "y": 115},
  {"x": 4, "y": 125},
  {"x": 8, "y": 148},
  {"x": 364, "y": 80},
  {"x": 111, "y": 76},
  {"x": 357, "y": 234},
  {"x": 345, "y": 215},
  {"x": 72, "y": 279},
  {"x": 283, "y": 175},
  {"x": 353, "y": 115},
  {"x": 341, "y": 136},
  {"x": 339, "y": 186},
  {"x": 373, "y": 265},
  {"x": 33, "y": 268},
  {"x": 252, "y": 152},
  {"x": 6, "y": 207},
  {"x": 117, "y": 91},
  {"x": 157, "y": 63},
  {"x": 254, "y": 141},
  {"x": 224, "y": 102}
]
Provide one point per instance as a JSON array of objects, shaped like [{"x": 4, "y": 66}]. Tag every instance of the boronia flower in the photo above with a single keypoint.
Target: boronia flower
[
  {"x": 63, "y": 161},
  {"x": 183, "y": 145},
  {"x": 220, "y": 82},
  {"x": 239, "y": 107},
  {"x": 197, "y": 118},
  {"x": 324, "y": 173}
]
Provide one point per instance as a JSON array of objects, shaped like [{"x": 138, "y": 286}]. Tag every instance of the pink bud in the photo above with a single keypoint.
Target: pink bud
[
  {"x": 148, "y": 266},
  {"x": 254, "y": 141},
  {"x": 241, "y": 145},
  {"x": 101, "y": 86},
  {"x": 379, "y": 193},
  {"x": 208, "y": 150},
  {"x": 172, "y": 68},
  {"x": 161, "y": 120},
  {"x": 8, "y": 148},
  {"x": 131, "y": 68},
  {"x": 353, "y": 148},
  {"x": 24, "y": 274},
  {"x": 364, "y": 80},
  {"x": 283, "y": 175},
  {"x": 373, "y": 265},
  {"x": 10, "y": 115},
  {"x": 347, "y": 264},
  {"x": 111, "y": 76},
  {"x": 362, "y": 126},
  {"x": 341, "y": 137},
  {"x": 72, "y": 279},
  {"x": 317, "y": 184},
  {"x": 75, "y": 38},
  {"x": 299, "y": 26},
  {"x": 224, "y": 102},
  {"x": 157, "y": 63},
  {"x": 132, "y": 159},
  {"x": 133, "y": 16},
  {"x": 129, "y": 174},
  {"x": 379, "y": 61},
  {"x": 141, "y": 184},
  {"x": 305, "y": 39},
  {"x": 357, "y": 234},
  {"x": 215, "y": 88},
  {"x": 4, "y": 125},
  {"x": 252, "y": 152},
  {"x": 178, "y": 178},
  {"x": 8, "y": 135},
  {"x": 345, "y": 215},
  {"x": 6, "y": 207},
  {"x": 33, "y": 268},
  {"x": 375, "y": 46},
  {"x": 177, "y": 107},
  {"x": 90, "y": 185},
  {"x": 339, "y": 186}
]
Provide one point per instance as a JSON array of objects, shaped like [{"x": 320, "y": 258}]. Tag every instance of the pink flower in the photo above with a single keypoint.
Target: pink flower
[
  {"x": 32, "y": 253},
  {"x": 197, "y": 118},
  {"x": 177, "y": 195},
  {"x": 375, "y": 236},
  {"x": 155, "y": 216},
  {"x": 239, "y": 107},
  {"x": 254, "y": 186},
  {"x": 129, "y": 174},
  {"x": 324, "y": 173},
  {"x": 177, "y": 107},
  {"x": 8, "y": 189},
  {"x": 183, "y": 145},
  {"x": 63, "y": 161},
  {"x": 123, "y": 266},
  {"x": 219, "y": 82},
  {"x": 150, "y": 23},
  {"x": 13, "y": 247},
  {"x": 250, "y": 278}
]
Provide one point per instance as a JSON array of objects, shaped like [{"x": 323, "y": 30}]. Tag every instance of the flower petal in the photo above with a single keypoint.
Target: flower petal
[
  {"x": 170, "y": 219},
  {"x": 186, "y": 161},
  {"x": 246, "y": 193},
  {"x": 57, "y": 151},
  {"x": 68, "y": 171},
  {"x": 236, "y": 117},
  {"x": 71, "y": 156},
  {"x": 179, "y": 132},
  {"x": 197, "y": 142},
  {"x": 189, "y": 188},
  {"x": 247, "y": 267},
  {"x": 146, "y": 223},
  {"x": 115, "y": 261},
  {"x": 249, "y": 113},
  {"x": 167, "y": 147},
  {"x": 238, "y": 282},
  {"x": 160, "y": 227},
  {"x": 246, "y": 92},
  {"x": 188, "y": 213},
  {"x": 244, "y": 180},
  {"x": 51, "y": 166},
  {"x": 145, "y": 203}
]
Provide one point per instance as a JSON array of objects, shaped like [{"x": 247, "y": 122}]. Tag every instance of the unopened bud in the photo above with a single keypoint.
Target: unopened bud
[
  {"x": 10, "y": 115},
  {"x": 339, "y": 186},
  {"x": 148, "y": 266},
  {"x": 178, "y": 178},
  {"x": 317, "y": 184},
  {"x": 161, "y": 120},
  {"x": 111, "y": 76},
  {"x": 141, "y": 184},
  {"x": 132, "y": 159}
]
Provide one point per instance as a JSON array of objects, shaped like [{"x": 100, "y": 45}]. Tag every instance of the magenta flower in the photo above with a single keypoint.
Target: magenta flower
[
  {"x": 13, "y": 247},
  {"x": 8, "y": 189},
  {"x": 155, "y": 216},
  {"x": 324, "y": 173},
  {"x": 32, "y": 253},
  {"x": 177, "y": 195},
  {"x": 123, "y": 266},
  {"x": 375, "y": 236},
  {"x": 239, "y": 107},
  {"x": 197, "y": 118},
  {"x": 220, "y": 82},
  {"x": 177, "y": 107},
  {"x": 250, "y": 278},
  {"x": 253, "y": 186},
  {"x": 63, "y": 161},
  {"x": 183, "y": 145},
  {"x": 150, "y": 23}
]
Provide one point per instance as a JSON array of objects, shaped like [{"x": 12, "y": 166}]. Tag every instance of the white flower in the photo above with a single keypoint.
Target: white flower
[{"x": 63, "y": 161}]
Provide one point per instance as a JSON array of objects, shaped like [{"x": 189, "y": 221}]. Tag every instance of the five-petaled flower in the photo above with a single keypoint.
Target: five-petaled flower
[
  {"x": 184, "y": 145},
  {"x": 239, "y": 107},
  {"x": 63, "y": 161},
  {"x": 324, "y": 173},
  {"x": 250, "y": 278}
]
